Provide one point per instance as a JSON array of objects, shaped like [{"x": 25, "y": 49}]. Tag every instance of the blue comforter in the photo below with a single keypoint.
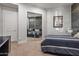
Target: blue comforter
[{"x": 62, "y": 41}]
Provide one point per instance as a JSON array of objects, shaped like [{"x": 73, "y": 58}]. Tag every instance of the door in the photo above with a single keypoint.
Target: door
[{"x": 10, "y": 22}]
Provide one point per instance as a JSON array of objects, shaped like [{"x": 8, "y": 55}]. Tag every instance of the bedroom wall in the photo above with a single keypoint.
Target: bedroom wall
[
  {"x": 23, "y": 9},
  {"x": 1, "y": 22},
  {"x": 10, "y": 22},
  {"x": 64, "y": 11}
]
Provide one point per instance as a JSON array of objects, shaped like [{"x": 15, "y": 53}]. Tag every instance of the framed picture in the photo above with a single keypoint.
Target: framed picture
[{"x": 57, "y": 21}]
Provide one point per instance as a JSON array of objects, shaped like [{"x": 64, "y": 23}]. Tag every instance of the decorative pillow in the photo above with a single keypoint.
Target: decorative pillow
[{"x": 76, "y": 35}]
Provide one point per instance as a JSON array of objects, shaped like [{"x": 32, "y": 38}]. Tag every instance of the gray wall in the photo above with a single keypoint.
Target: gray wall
[
  {"x": 75, "y": 22},
  {"x": 75, "y": 18}
]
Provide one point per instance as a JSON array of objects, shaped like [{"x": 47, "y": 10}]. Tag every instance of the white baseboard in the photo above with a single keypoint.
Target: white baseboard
[
  {"x": 22, "y": 41},
  {"x": 13, "y": 40}
]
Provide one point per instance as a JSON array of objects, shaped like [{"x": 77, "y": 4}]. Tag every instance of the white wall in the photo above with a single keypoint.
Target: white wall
[
  {"x": 10, "y": 22},
  {"x": 64, "y": 11},
  {"x": 47, "y": 20},
  {"x": 1, "y": 22},
  {"x": 27, "y": 23},
  {"x": 23, "y": 9}
]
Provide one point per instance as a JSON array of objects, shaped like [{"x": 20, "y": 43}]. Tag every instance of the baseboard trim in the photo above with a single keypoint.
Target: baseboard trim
[{"x": 22, "y": 41}]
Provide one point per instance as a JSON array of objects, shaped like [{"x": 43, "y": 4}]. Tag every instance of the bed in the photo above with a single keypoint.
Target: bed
[
  {"x": 5, "y": 45},
  {"x": 61, "y": 44}
]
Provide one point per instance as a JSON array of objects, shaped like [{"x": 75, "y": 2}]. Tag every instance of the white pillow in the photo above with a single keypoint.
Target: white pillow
[{"x": 76, "y": 35}]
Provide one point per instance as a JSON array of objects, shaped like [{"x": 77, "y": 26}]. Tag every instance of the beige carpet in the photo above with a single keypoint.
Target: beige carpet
[{"x": 30, "y": 48}]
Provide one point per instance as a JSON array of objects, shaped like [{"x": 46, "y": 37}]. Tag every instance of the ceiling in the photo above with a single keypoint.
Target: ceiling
[
  {"x": 47, "y": 5},
  {"x": 13, "y": 5},
  {"x": 39, "y": 5}
]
